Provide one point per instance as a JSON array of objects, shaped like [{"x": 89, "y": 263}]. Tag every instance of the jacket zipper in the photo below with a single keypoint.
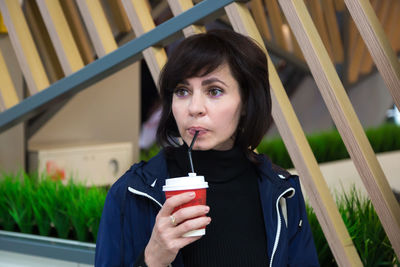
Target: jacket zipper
[
  {"x": 140, "y": 193},
  {"x": 137, "y": 192},
  {"x": 278, "y": 229}
]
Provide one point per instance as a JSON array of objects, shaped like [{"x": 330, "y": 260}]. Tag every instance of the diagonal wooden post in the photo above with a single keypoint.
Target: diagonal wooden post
[
  {"x": 378, "y": 45},
  {"x": 141, "y": 21},
  {"x": 24, "y": 46},
  {"x": 345, "y": 118}
]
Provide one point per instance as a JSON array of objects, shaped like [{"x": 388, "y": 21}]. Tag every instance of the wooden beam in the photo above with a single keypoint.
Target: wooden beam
[
  {"x": 119, "y": 15},
  {"x": 158, "y": 10},
  {"x": 393, "y": 23},
  {"x": 318, "y": 17},
  {"x": 383, "y": 55},
  {"x": 300, "y": 151},
  {"x": 339, "y": 5},
  {"x": 359, "y": 53},
  {"x": 3, "y": 28},
  {"x": 394, "y": 32},
  {"x": 24, "y": 47},
  {"x": 333, "y": 31},
  {"x": 345, "y": 119},
  {"x": 275, "y": 19},
  {"x": 258, "y": 10},
  {"x": 383, "y": 12},
  {"x": 177, "y": 7},
  {"x": 61, "y": 36},
  {"x": 98, "y": 27},
  {"x": 8, "y": 95},
  {"x": 43, "y": 42},
  {"x": 141, "y": 21},
  {"x": 296, "y": 47},
  {"x": 78, "y": 31}
]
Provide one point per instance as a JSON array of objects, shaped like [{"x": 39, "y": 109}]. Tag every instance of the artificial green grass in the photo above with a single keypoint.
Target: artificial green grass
[
  {"x": 34, "y": 205},
  {"x": 364, "y": 228},
  {"x": 328, "y": 146}
]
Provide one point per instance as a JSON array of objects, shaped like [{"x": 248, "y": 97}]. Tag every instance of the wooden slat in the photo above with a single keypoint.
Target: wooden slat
[
  {"x": 358, "y": 52},
  {"x": 339, "y": 5},
  {"x": 393, "y": 23},
  {"x": 8, "y": 95},
  {"x": 24, "y": 47},
  {"x": 275, "y": 19},
  {"x": 78, "y": 31},
  {"x": 333, "y": 31},
  {"x": 383, "y": 12},
  {"x": 3, "y": 28},
  {"x": 318, "y": 17},
  {"x": 98, "y": 27},
  {"x": 345, "y": 118},
  {"x": 355, "y": 60},
  {"x": 158, "y": 10},
  {"x": 120, "y": 17},
  {"x": 177, "y": 7},
  {"x": 395, "y": 29},
  {"x": 367, "y": 63},
  {"x": 296, "y": 47},
  {"x": 352, "y": 35},
  {"x": 257, "y": 8},
  {"x": 61, "y": 36},
  {"x": 141, "y": 21},
  {"x": 383, "y": 55},
  {"x": 42, "y": 40},
  {"x": 300, "y": 151}
]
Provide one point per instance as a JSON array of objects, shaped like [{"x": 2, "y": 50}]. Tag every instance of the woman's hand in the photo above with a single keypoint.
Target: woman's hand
[{"x": 166, "y": 239}]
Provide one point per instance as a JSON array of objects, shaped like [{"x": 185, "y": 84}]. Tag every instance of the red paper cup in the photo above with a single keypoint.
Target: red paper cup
[{"x": 191, "y": 183}]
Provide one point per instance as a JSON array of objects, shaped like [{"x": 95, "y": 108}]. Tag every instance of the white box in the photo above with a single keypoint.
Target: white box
[{"x": 95, "y": 164}]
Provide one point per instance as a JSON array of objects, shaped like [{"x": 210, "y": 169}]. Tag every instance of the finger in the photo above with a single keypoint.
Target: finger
[
  {"x": 190, "y": 213},
  {"x": 192, "y": 224},
  {"x": 175, "y": 201}
]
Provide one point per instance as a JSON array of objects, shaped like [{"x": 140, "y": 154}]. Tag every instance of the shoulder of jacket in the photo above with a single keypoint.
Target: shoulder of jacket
[
  {"x": 120, "y": 184},
  {"x": 282, "y": 173}
]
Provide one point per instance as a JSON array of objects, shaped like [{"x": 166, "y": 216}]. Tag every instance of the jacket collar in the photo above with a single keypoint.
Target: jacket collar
[
  {"x": 150, "y": 177},
  {"x": 273, "y": 174}
]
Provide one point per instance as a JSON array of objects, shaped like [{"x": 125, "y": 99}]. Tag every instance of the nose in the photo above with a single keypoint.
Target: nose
[{"x": 197, "y": 105}]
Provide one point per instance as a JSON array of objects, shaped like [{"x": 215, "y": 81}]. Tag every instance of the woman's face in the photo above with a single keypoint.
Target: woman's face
[{"x": 211, "y": 105}]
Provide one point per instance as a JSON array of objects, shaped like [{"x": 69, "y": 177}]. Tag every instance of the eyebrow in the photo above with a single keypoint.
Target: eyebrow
[{"x": 205, "y": 82}]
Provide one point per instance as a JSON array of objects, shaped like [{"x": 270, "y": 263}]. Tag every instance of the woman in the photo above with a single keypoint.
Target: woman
[{"x": 216, "y": 84}]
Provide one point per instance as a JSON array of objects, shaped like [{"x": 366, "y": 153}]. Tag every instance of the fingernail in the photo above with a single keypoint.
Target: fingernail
[
  {"x": 206, "y": 209},
  {"x": 192, "y": 194}
]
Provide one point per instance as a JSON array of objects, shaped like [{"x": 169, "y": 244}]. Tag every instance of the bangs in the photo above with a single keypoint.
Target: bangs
[{"x": 204, "y": 56}]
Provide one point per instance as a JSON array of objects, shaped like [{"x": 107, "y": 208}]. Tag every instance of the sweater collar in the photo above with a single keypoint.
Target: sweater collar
[
  {"x": 150, "y": 177},
  {"x": 216, "y": 166}
]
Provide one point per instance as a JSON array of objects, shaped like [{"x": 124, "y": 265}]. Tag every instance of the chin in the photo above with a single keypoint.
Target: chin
[{"x": 201, "y": 146}]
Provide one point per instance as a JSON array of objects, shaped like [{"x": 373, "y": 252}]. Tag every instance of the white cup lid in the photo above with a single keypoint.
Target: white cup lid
[{"x": 185, "y": 183}]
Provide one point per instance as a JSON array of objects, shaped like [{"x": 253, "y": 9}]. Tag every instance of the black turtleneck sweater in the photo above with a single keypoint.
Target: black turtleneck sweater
[{"x": 236, "y": 235}]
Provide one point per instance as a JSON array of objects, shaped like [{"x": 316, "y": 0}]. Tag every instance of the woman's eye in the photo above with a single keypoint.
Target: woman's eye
[
  {"x": 181, "y": 92},
  {"x": 215, "y": 92}
]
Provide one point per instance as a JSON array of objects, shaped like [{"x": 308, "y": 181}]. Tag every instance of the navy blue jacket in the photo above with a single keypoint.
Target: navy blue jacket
[{"x": 135, "y": 199}]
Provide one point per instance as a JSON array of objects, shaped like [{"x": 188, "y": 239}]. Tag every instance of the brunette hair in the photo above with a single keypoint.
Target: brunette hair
[{"x": 201, "y": 54}]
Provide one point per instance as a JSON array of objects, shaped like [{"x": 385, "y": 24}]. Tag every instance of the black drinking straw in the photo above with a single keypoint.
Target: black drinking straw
[{"x": 190, "y": 150}]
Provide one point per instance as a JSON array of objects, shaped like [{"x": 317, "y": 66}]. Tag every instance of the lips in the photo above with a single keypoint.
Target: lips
[{"x": 193, "y": 130}]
